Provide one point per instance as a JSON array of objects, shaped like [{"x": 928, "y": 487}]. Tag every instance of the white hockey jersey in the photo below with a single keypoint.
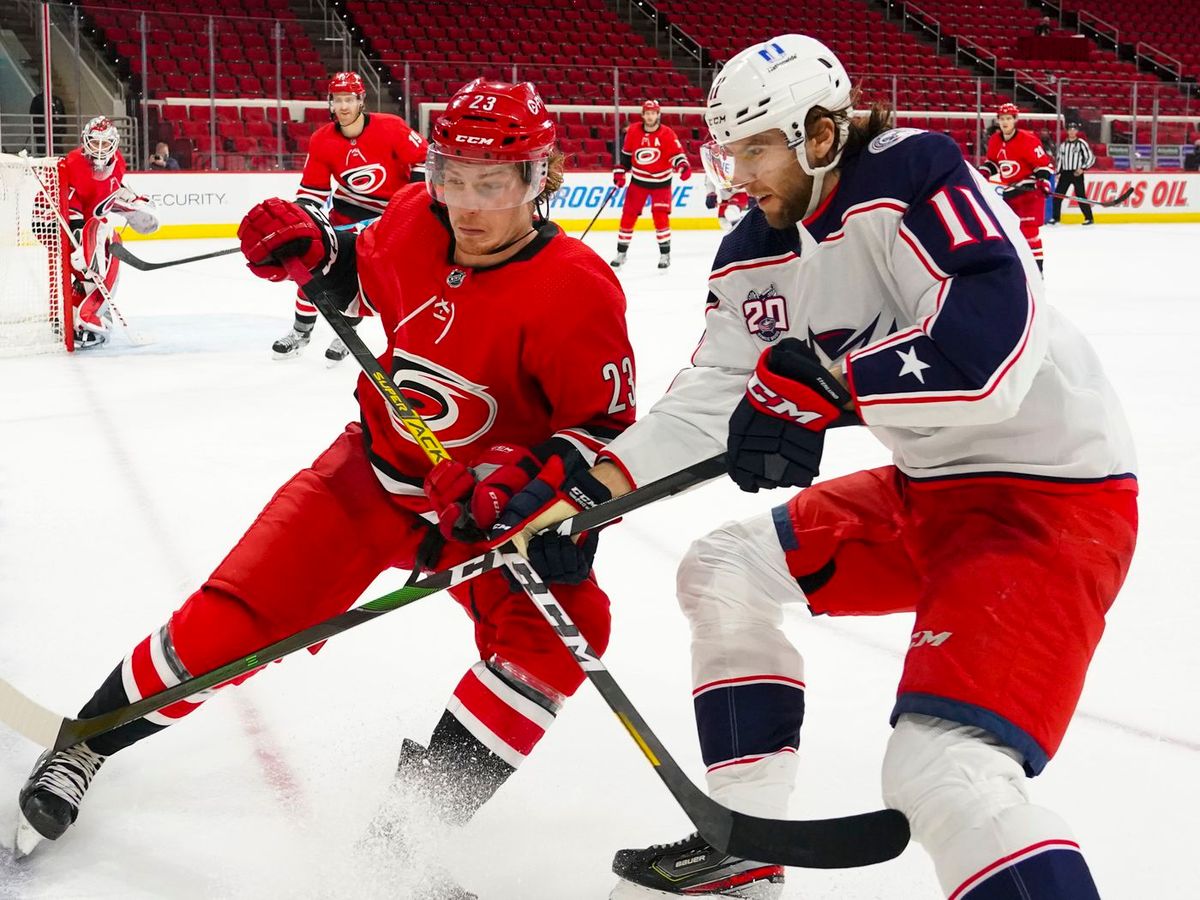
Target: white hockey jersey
[{"x": 914, "y": 277}]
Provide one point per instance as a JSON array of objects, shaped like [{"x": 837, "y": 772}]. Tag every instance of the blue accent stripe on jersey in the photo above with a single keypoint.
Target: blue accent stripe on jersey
[
  {"x": 783, "y": 528},
  {"x": 1034, "y": 758},
  {"x": 1058, "y": 871},
  {"x": 754, "y": 719}
]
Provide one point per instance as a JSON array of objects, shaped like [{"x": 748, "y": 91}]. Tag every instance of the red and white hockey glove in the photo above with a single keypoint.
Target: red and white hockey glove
[
  {"x": 276, "y": 229},
  {"x": 683, "y": 169},
  {"x": 777, "y": 431},
  {"x": 468, "y": 500},
  {"x": 619, "y": 177}
]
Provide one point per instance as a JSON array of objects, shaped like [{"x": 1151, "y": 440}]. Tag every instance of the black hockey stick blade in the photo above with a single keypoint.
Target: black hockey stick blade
[
  {"x": 843, "y": 843},
  {"x": 847, "y": 842},
  {"x": 123, "y": 253}
]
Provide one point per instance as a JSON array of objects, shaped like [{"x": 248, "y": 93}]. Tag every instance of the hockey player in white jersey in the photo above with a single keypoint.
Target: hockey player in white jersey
[{"x": 880, "y": 281}]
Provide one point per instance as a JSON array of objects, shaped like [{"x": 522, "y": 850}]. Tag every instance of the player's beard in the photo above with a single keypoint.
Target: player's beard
[{"x": 787, "y": 207}]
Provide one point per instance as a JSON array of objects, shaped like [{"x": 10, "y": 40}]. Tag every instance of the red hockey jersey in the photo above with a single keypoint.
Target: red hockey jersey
[
  {"x": 90, "y": 193},
  {"x": 650, "y": 156},
  {"x": 517, "y": 353},
  {"x": 1018, "y": 158},
  {"x": 364, "y": 171}
]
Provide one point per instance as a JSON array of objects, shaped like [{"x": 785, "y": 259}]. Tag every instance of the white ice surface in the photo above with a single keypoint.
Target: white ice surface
[{"x": 126, "y": 474}]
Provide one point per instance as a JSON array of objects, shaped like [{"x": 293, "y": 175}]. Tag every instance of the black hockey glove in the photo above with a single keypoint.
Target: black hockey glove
[
  {"x": 556, "y": 558},
  {"x": 777, "y": 431}
]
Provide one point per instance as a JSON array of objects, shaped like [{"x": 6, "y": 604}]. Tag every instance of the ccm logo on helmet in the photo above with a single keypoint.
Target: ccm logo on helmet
[
  {"x": 472, "y": 139},
  {"x": 763, "y": 396}
]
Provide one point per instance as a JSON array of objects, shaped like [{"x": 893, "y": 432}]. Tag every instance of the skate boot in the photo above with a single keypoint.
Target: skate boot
[
  {"x": 664, "y": 260},
  {"x": 693, "y": 867},
  {"x": 618, "y": 260},
  {"x": 336, "y": 352},
  {"x": 291, "y": 343},
  {"x": 49, "y": 801}
]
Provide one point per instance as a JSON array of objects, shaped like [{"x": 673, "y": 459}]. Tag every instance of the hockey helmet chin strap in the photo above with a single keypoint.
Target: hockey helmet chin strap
[{"x": 818, "y": 172}]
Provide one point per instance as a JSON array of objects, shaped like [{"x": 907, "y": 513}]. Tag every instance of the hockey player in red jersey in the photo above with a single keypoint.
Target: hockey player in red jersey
[
  {"x": 1018, "y": 161},
  {"x": 356, "y": 162},
  {"x": 881, "y": 283},
  {"x": 650, "y": 155},
  {"x": 483, "y": 301},
  {"x": 95, "y": 175}
]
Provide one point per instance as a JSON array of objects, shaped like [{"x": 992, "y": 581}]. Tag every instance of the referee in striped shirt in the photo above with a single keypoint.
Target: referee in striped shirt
[{"x": 1073, "y": 159}]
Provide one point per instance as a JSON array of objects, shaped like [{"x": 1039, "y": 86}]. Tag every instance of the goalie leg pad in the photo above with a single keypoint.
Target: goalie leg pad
[
  {"x": 748, "y": 678},
  {"x": 965, "y": 796}
]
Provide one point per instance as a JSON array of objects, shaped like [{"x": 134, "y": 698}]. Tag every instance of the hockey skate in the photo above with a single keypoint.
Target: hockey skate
[
  {"x": 291, "y": 343},
  {"x": 692, "y": 867},
  {"x": 404, "y": 831},
  {"x": 618, "y": 260},
  {"x": 664, "y": 260},
  {"x": 49, "y": 801},
  {"x": 336, "y": 352}
]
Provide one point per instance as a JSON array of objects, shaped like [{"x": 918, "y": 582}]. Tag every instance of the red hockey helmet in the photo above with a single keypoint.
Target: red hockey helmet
[
  {"x": 491, "y": 123},
  {"x": 1008, "y": 109},
  {"x": 347, "y": 83},
  {"x": 651, "y": 106}
]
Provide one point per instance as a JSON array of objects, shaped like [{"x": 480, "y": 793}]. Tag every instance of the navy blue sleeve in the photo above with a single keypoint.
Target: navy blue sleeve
[{"x": 956, "y": 261}]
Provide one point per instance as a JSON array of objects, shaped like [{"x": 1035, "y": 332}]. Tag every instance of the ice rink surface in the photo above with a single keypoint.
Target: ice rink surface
[{"x": 127, "y": 473}]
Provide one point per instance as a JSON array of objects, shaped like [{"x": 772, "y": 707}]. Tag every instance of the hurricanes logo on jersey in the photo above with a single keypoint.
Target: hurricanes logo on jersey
[
  {"x": 646, "y": 156},
  {"x": 458, "y": 410},
  {"x": 365, "y": 179},
  {"x": 1009, "y": 169}
]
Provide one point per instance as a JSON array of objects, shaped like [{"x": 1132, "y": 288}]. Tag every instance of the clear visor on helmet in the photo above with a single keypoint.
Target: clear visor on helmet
[
  {"x": 101, "y": 146},
  {"x": 471, "y": 183},
  {"x": 734, "y": 165}
]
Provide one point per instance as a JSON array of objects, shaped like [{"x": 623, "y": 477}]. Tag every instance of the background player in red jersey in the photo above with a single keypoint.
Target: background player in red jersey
[
  {"x": 651, "y": 153},
  {"x": 470, "y": 289},
  {"x": 356, "y": 162},
  {"x": 1019, "y": 162},
  {"x": 95, "y": 174}
]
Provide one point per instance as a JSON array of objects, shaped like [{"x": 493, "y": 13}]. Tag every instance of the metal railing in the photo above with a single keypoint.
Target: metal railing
[
  {"x": 23, "y": 131},
  {"x": 1154, "y": 57},
  {"x": 353, "y": 57},
  {"x": 675, "y": 38},
  {"x": 1099, "y": 28}
]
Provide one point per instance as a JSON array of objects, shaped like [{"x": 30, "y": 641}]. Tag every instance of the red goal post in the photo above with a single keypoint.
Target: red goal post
[{"x": 35, "y": 306}]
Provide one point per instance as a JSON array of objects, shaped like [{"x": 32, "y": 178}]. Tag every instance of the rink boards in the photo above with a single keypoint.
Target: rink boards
[{"x": 210, "y": 204}]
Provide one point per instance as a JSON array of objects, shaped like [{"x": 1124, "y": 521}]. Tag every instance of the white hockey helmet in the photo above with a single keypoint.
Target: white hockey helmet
[
  {"x": 100, "y": 141},
  {"x": 773, "y": 85}
]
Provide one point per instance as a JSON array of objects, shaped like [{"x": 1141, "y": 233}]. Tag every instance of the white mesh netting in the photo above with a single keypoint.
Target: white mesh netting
[{"x": 31, "y": 258}]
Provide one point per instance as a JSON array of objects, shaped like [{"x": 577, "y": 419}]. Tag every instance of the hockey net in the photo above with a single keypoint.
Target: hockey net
[{"x": 35, "y": 312}]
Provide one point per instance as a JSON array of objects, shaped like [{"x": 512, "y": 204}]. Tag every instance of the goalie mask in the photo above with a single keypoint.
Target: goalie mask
[
  {"x": 100, "y": 142},
  {"x": 773, "y": 86},
  {"x": 491, "y": 148}
]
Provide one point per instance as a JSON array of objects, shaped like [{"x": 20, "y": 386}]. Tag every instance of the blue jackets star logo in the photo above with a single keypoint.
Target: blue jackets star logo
[{"x": 912, "y": 365}]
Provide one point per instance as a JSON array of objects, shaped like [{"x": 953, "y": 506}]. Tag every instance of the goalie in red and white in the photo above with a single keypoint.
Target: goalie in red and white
[
  {"x": 355, "y": 164},
  {"x": 95, "y": 174}
]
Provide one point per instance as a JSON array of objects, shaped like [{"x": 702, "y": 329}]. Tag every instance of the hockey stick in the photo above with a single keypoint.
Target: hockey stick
[
  {"x": 123, "y": 253},
  {"x": 842, "y": 843},
  {"x": 49, "y": 729},
  {"x": 135, "y": 337},
  {"x": 603, "y": 203},
  {"x": 1116, "y": 201}
]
